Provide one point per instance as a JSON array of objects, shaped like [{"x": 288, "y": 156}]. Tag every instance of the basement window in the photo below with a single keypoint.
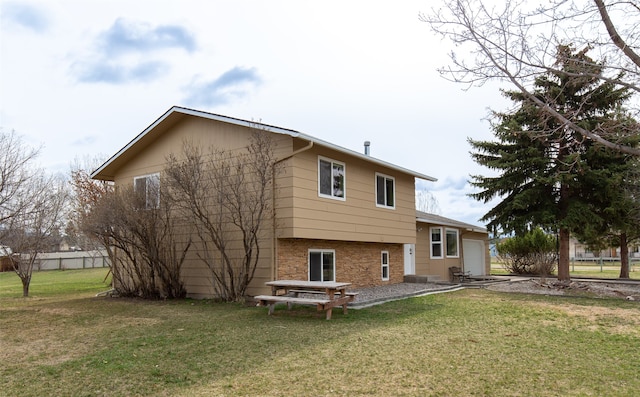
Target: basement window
[
  {"x": 322, "y": 265},
  {"x": 385, "y": 265}
]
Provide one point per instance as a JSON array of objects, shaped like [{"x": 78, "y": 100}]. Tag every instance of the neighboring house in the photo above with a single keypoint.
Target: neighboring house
[
  {"x": 582, "y": 252},
  {"x": 340, "y": 215}
]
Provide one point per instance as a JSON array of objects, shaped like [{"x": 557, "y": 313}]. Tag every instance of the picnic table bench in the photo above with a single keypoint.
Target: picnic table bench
[{"x": 289, "y": 291}]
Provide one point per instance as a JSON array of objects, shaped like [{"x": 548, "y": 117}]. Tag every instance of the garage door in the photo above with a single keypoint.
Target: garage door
[{"x": 473, "y": 251}]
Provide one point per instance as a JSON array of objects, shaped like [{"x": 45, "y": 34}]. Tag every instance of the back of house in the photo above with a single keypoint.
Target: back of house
[{"x": 337, "y": 214}]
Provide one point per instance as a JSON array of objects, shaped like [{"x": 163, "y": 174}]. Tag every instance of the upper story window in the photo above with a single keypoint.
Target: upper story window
[
  {"x": 385, "y": 191},
  {"x": 452, "y": 243},
  {"x": 331, "y": 178},
  {"x": 147, "y": 187},
  {"x": 436, "y": 242}
]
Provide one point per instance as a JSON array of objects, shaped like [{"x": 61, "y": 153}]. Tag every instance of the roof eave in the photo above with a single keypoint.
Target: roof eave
[{"x": 197, "y": 113}]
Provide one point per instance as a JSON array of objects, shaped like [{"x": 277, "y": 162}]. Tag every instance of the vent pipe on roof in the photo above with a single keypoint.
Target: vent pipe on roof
[{"x": 367, "y": 149}]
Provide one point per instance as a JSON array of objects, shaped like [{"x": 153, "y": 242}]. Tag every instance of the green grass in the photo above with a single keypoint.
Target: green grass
[
  {"x": 51, "y": 283},
  {"x": 469, "y": 342},
  {"x": 587, "y": 269}
]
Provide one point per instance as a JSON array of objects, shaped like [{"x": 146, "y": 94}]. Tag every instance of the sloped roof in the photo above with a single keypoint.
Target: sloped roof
[
  {"x": 426, "y": 217},
  {"x": 176, "y": 113}
]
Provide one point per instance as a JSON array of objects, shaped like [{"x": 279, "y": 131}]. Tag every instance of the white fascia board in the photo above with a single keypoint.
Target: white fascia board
[{"x": 466, "y": 226}]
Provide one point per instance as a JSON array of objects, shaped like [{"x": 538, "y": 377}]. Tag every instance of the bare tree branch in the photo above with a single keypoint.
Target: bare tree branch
[{"x": 517, "y": 44}]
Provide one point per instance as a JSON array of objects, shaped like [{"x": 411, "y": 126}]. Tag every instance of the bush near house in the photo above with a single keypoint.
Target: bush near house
[{"x": 534, "y": 253}]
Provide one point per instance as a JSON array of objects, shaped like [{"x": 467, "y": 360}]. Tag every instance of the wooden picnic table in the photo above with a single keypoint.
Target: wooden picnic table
[{"x": 288, "y": 291}]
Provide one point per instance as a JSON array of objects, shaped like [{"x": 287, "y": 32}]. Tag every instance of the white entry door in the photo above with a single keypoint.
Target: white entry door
[
  {"x": 409, "y": 259},
  {"x": 474, "y": 255}
]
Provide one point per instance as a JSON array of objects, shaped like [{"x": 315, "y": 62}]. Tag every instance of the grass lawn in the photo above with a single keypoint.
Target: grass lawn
[
  {"x": 63, "y": 341},
  {"x": 588, "y": 269}
]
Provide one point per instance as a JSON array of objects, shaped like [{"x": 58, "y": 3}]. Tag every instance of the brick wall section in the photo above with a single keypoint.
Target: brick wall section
[{"x": 357, "y": 263}]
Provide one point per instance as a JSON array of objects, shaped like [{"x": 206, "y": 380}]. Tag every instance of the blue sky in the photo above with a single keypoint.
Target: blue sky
[{"x": 82, "y": 78}]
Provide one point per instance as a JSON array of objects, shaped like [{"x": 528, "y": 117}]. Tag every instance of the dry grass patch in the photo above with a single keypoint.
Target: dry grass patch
[
  {"x": 470, "y": 342},
  {"x": 614, "y": 320}
]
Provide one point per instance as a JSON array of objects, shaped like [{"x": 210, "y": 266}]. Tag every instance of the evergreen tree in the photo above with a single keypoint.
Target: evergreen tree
[
  {"x": 548, "y": 175},
  {"x": 616, "y": 187}
]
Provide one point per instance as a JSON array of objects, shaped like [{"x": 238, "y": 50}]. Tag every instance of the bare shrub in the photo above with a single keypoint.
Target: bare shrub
[
  {"x": 227, "y": 196},
  {"x": 147, "y": 244}
]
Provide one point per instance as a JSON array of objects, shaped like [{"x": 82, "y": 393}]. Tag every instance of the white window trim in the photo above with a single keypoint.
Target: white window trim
[
  {"x": 322, "y": 251},
  {"x": 395, "y": 198},
  {"x": 383, "y": 265},
  {"x": 457, "y": 255},
  {"x": 147, "y": 176},
  {"x": 344, "y": 175},
  {"x": 441, "y": 242}
]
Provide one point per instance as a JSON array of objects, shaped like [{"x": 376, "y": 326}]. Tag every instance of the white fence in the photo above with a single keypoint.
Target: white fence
[{"x": 72, "y": 260}]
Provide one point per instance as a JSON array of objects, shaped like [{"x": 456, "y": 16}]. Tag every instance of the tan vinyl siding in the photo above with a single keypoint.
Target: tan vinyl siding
[
  {"x": 426, "y": 265},
  {"x": 205, "y": 134},
  {"x": 305, "y": 214}
]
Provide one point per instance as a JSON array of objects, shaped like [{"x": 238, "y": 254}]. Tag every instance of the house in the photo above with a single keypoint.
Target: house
[
  {"x": 582, "y": 252},
  {"x": 340, "y": 215},
  {"x": 442, "y": 243}
]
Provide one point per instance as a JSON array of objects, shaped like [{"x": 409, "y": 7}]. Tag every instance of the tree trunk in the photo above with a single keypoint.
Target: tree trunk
[
  {"x": 25, "y": 286},
  {"x": 624, "y": 256},
  {"x": 563, "y": 255}
]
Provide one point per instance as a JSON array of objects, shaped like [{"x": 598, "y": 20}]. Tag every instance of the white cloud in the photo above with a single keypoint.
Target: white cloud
[
  {"x": 131, "y": 52},
  {"x": 25, "y": 15},
  {"x": 233, "y": 84},
  {"x": 136, "y": 36},
  {"x": 344, "y": 72}
]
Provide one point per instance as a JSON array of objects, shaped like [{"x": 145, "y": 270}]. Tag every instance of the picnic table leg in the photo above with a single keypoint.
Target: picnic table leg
[
  {"x": 329, "y": 313},
  {"x": 271, "y": 307}
]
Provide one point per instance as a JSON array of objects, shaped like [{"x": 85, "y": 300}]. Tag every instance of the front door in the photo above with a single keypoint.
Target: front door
[{"x": 409, "y": 259}]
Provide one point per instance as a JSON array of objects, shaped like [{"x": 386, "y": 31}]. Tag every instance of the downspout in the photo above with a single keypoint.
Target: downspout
[{"x": 274, "y": 268}]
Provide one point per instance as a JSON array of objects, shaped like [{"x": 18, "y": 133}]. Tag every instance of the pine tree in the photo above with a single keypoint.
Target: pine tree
[{"x": 548, "y": 175}]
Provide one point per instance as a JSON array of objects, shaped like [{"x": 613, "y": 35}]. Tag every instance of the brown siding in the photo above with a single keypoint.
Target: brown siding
[
  {"x": 425, "y": 265},
  {"x": 356, "y": 262},
  {"x": 303, "y": 214},
  {"x": 205, "y": 134}
]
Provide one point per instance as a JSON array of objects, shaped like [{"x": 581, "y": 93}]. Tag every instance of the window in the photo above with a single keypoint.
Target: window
[
  {"x": 452, "y": 243},
  {"x": 322, "y": 265},
  {"x": 148, "y": 189},
  {"x": 331, "y": 182},
  {"x": 385, "y": 191},
  {"x": 436, "y": 242},
  {"x": 385, "y": 265}
]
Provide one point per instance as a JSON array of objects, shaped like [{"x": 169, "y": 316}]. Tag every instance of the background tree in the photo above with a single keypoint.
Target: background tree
[
  {"x": 516, "y": 42},
  {"x": 427, "y": 202},
  {"x": 227, "y": 196},
  {"x": 35, "y": 228},
  {"x": 86, "y": 193},
  {"x": 31, "y": 206},
  {"x": 617, "y": 188},
  {"x": 550, "y": 175},
  {"x": 16, "y": 173}
]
